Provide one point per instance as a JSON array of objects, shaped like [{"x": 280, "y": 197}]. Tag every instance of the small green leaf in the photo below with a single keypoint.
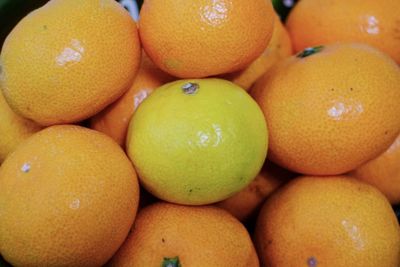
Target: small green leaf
[
  {"x": 310, "y": 51},
  {"x": 171, "y": 262}
]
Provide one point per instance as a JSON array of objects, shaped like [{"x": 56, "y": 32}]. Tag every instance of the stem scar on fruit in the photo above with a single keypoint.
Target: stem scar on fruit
[
  {"x": 190, "y": 88},
  {"x": 26, "y": 167},
  {"x": 171, "y": 262},
  {"x": 310, "y": 51},
  {"x": 312, "y": 262}
]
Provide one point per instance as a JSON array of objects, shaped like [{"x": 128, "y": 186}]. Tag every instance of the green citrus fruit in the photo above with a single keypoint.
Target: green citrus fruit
[{"x": 197, "y": 141}]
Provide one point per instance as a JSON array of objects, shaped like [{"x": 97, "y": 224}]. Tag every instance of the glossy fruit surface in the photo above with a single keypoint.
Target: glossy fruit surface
[
  {"x": 278, "y": 48},
  {"x": 66, "y": 61},
  {"x": 68, "y": 197},
  {"x": 197, "y": 141},
  {"x": 200, "y": 38},
  {"x": 330, "y": 109},
  {"x": 114, "y": 119},
  {"x": 321, "y": 22},
  {"x": 383, "y": 172},
  {"x": 328, "y": 221},
  {"x": 167, "y": 235}
]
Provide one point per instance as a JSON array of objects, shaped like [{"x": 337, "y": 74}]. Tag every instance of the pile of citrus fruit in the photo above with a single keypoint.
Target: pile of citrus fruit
[{"x": 204, "y": 133}]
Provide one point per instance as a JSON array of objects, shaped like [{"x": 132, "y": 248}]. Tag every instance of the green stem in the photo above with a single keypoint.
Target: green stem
[
  {"x": 310, "y": 51},
  {"x": 171, "y": 262}
]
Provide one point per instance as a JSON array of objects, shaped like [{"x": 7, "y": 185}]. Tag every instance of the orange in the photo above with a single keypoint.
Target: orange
[
  {"x": 67, "y": 60},
  {"x": 327, "y": 221},
  {"x": 278, "y": 48},
  {"x": 197, "y": 141},
  {"x": 13, "y": 129},
  {"x": 200, "y": 38},
  {"x": 330, "y": 109},
  {"x": 114, "y": 119},
  {"x": 245, "y": 204},
  {"x": 383, "y": 172},
  {"x": 318, "y": 22},
  {"x": 166, "y": 234},
  {"x": 68, "y": 197}
]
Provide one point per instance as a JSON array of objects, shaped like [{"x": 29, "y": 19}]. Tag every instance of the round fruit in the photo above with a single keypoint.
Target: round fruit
[
  {"x": 200, "y": 38},
  {"x": 330, "y": 108},
  {"x": 170, "y": 235},
  {"x": 197, "y": 141},
  {"x": 13, "y": 129},
  {"x": 67, "y": 60},
  {"x": 68, "y": 197},
  {"x": 383, "y": 172},
  {"x": 114, "y": 119},
  {"x": 327, "y": 221},
  {"x": 278, "y": 48},
  {"x": 376, "y": 23},
  {"x": 245, "y": 204}
]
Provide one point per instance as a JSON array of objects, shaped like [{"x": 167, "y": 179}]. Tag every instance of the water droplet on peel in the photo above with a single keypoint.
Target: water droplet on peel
[{"x": 26, "y": 167}]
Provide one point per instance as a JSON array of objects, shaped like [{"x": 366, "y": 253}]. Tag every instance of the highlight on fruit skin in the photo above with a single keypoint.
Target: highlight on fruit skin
[
  {"x": 330, "y": 108},
  {"x": 327, "y": 220},
  {"x": 114, "y": 119},
  {"x": 197, "y": 141},
  {"x": 172, "y": 235},
  {"x": 202, "y": 38},
  {"x": 372, "y": 22},
  {"x": 68, "y": 197},
  {"x": 64, "y": 62}
]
